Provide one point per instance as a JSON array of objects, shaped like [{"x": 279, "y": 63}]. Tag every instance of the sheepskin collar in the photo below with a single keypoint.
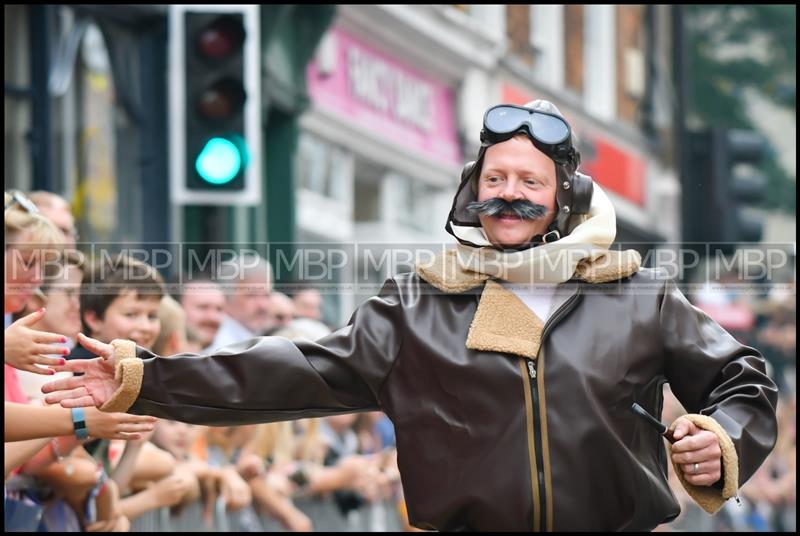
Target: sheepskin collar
[
  {"x": 445, "y": 273},
  {"x": 502, "y": 322}
]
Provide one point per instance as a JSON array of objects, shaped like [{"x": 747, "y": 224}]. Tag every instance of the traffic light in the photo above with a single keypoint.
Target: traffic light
[
  {"x": 737, "y": 188},
  {"x": 215, "y": 117},
  {"x": 724, "y": 184}
]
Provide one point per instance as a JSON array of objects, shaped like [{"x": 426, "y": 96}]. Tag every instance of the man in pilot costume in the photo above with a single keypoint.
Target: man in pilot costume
[{"x": 508, "y": 365}]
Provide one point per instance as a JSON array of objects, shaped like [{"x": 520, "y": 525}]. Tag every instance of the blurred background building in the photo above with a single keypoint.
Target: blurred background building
[{"x": 367, "y": 114}]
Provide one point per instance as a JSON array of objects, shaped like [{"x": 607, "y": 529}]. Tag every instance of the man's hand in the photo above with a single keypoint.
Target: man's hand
[
  {"x": 96, "y": 385},
  {"x": 24, "y": 347},
  {"x": 698, "y": 453}
]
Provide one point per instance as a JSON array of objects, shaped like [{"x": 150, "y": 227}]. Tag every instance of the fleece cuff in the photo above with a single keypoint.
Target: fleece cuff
[
  {"x": 710, "y": 498},
  {"x": 128, "y": 372}
]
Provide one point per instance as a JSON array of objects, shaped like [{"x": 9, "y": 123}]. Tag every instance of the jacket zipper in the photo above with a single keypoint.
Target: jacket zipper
[
  {"x": 537, "y": 445},
  {"x": 537, "y": 425}
]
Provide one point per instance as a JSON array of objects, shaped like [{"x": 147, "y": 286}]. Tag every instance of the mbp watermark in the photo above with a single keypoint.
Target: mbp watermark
[{"x": 363, "y": 267}]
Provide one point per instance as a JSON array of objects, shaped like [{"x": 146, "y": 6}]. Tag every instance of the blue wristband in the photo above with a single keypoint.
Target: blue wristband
[{"x": 79, "y": 423}]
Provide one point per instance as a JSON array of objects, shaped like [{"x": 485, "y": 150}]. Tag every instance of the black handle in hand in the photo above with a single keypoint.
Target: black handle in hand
[{"x": 640, "y": 411}]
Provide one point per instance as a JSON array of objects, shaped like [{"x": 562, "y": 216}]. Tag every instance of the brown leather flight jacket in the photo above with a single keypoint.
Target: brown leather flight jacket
[{"x": 502, "y": 422}]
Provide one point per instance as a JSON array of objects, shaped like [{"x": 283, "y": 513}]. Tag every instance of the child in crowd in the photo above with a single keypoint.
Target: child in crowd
[{"x": 120, "y": 299}]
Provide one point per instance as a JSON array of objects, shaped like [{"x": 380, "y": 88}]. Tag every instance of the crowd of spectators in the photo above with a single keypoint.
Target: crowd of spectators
[{"x": 124, "y": 472}]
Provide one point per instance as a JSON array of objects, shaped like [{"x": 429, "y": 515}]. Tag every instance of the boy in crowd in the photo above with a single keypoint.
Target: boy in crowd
[{"x": 119, "y": 299}]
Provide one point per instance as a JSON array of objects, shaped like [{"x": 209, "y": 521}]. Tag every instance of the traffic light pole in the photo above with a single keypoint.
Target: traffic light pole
[
  {"x": 281, "y": 141},
  {"x": 296, "y": 30}
]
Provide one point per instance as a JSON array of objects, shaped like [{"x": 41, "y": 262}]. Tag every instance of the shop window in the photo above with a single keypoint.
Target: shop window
[
  {"x": 324, "y": 168},
  {"x": 367, "y": 200},
  {"x": 600, "y": 69},
  {"x": 96, "y": 197},
  {"x": 547, "y": 40},
  {"x": 83, "y": 122},
  {"x": 416, "y": 204}
]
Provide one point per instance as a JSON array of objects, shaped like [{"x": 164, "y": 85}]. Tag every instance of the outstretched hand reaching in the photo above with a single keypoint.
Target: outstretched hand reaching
[{"x": 96, "y": 385}]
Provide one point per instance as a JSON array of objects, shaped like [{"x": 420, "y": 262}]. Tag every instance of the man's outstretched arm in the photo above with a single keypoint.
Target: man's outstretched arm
[{"x": 260, "y": 380}]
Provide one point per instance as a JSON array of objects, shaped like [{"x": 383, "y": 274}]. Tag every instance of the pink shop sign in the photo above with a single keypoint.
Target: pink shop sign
[{"x": 380, "y": 94}]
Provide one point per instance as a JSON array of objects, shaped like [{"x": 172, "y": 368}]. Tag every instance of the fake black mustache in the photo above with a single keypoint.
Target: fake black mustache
[{"x": 522, "y": 208}]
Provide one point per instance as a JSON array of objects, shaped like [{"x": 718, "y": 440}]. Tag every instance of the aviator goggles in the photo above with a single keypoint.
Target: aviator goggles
[{"x": 549, "y": 132}]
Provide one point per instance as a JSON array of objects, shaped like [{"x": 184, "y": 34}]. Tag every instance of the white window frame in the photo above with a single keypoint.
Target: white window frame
[
  {"x": 547, "y": 38},
  {"x": 600, "y": 61},
  {"x": 492, "y": 19}
]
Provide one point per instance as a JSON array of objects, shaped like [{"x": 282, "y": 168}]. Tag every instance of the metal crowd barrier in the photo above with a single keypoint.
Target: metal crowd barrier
[{"x": 325, "y": 516}]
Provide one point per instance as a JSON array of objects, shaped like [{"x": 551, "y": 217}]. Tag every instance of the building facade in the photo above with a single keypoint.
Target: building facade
[
  {"x": 398, "y": 95},
  {"x": 608, "y": 69},
  {"x": 390, "y": 105},
  {"x": 381, "y": 147}
]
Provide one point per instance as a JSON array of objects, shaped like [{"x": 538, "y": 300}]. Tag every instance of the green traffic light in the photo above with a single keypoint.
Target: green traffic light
[{"x": 219, "y": 162}]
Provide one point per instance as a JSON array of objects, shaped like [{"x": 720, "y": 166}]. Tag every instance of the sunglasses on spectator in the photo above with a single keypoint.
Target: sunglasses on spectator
[{"x": 18, "y": 198}]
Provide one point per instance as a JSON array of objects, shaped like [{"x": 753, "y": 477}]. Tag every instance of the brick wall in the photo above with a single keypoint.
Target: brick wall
[
  {"x": 573, "y": 47},
  {"x": 630, "y": 25},
  {"x": 519, "y": 33}
]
